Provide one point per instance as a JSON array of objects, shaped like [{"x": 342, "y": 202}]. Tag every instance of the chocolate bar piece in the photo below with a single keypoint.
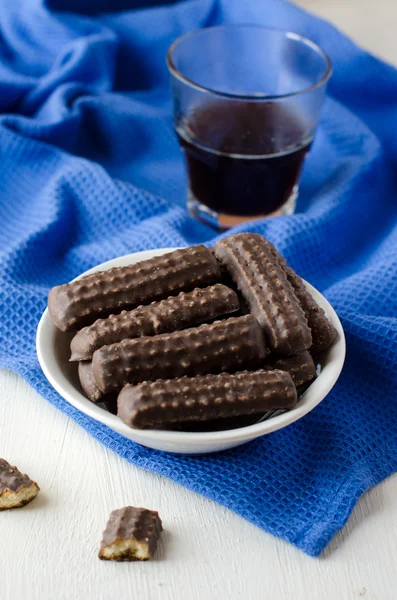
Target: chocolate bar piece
[
  {"x": 131, "y": 534},
  {"x": 270, "y": 296},
  {"x": 81, "y": 302},
  {"x": 171, "y": 314},
  {"x": 16, "y": 489},
  {"x": 203, "y": 398},
  {"x": 224, "y": 345},
  {"x": 88, "y": 382},
  {"x": 301, "y": 367},
  {"x": 323, "y": 332}
]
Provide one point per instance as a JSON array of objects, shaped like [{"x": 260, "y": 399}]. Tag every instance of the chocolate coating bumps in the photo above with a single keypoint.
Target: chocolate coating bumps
[
  {"x": 231, "y": 344},
  {"x": 323, "y": 332},
  {"x": 81, "y": 302},
  {"x": 270, "y": 296},
  {"x": 151, "y": 404},
  {"x": 131, "y": 534},
  {"x": 16, "y": 489},
  {"x": 171, "y": 314},
  {"x": 149, "y": 330}
]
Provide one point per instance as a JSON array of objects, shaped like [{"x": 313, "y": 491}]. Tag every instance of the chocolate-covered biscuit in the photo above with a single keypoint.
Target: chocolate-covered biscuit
[
  {"x": 81, "y": 302},
  {"x": 16, "y": 489},
  {"x": 301, "y": 367},
  {"x": 270, "y": 296},
  {"x": 151, "y": 404},
  {"x": 323, "y": 332},
  {"x": 131, "y": 534},
  {"x": 231, "y": 344},
  {"x": 88, "y": 382},
  {"x": 171, "y": 314}
]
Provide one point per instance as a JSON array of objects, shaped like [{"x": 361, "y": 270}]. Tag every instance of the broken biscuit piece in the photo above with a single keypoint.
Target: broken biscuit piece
[
  {"x": 16, "y": 489},
  {"x": 131, "y": 534}
]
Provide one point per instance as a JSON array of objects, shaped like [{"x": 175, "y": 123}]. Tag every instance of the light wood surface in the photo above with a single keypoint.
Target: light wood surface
[{"x": 49, "y": 548}]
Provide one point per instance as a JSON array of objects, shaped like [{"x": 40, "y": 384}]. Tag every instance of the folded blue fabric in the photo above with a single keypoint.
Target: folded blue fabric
[{"x": 90, "y": 169}]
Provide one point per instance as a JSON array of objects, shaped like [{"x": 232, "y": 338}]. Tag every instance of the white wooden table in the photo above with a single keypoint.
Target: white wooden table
[{"x": 48, "y": 549}]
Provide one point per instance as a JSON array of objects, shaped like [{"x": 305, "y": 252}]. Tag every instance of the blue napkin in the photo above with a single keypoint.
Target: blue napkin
[{"x": 90, "y": 169}]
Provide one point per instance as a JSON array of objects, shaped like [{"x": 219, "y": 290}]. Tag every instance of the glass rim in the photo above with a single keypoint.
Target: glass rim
[{"x": 257, "y": 97}]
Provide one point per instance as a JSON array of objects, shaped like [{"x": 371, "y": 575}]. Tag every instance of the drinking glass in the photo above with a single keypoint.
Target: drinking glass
[{"x": 247, "y": 101}]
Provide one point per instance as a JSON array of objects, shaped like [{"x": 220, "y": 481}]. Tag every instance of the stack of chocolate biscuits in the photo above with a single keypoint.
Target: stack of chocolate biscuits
[{"x": 195, "y": 335}]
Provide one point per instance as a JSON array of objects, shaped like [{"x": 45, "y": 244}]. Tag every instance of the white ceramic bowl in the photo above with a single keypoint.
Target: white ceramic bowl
[{"x": 53, "y": 353}]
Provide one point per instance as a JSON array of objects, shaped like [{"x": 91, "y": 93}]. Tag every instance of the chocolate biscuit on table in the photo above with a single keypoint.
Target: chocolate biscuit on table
[
  {"x": 16, "y": 489},
  {"x": 131, "y": 534},
  {"x": 79, "y": 303},
  {"x": 187, "y": 309},
  {"x": 232, "y": 344},
  {"x": 160, "y": 403},
  {"x": 263, "y": 283}
]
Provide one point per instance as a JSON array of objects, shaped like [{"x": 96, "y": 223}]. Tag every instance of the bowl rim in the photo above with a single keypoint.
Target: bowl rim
[{"x": 315, "y": 393}]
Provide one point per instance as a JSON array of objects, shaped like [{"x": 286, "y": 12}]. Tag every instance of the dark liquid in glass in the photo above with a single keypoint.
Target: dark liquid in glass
[{"x": 244, "y": 160}]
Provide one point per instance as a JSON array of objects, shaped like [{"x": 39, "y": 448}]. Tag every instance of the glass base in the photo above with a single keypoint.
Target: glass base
[{"x": 223, "y": 221}]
